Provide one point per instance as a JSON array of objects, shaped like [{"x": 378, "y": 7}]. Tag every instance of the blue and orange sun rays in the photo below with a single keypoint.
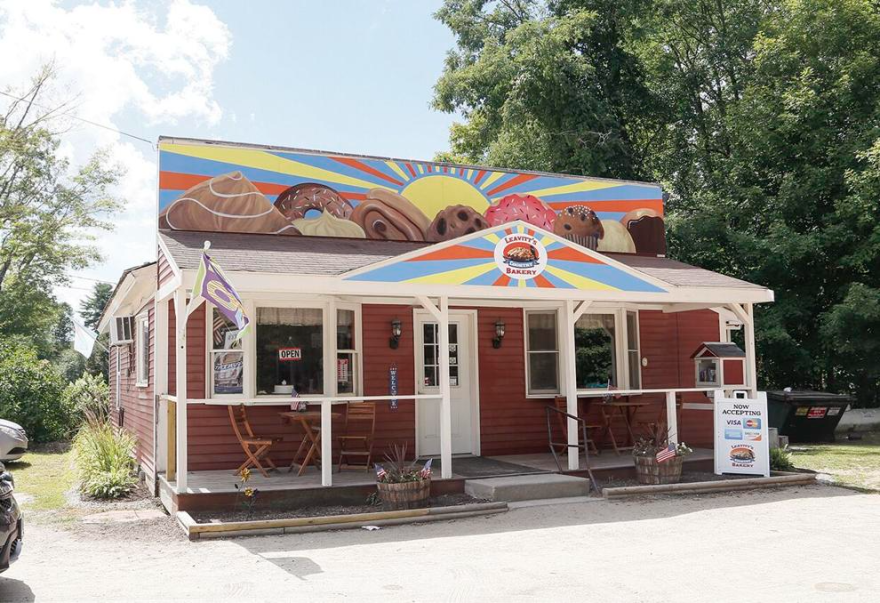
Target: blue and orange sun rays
[
  {"x": 472, "y": 263},
  {"x": 271, "y": 171}
]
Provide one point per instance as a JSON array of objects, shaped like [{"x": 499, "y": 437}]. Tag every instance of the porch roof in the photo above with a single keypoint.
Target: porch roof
[{"x": 327, "y": 256}]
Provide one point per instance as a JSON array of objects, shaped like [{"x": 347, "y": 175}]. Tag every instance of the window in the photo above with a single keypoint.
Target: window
[
  {"x": 290, "y": 351},
  {"x": 542, "y": 353},
  {"x": 227, "y": 358},
  {"x": 143, "y": 351},
  {"x": 346, "y": 353},
  {"x": 633, "y": 356},
  {"x": 595, "y": 351},
  {"x": 431, "y": 354}
]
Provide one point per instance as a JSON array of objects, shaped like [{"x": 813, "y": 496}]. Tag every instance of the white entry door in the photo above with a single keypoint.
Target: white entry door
[{"x": 462, "y": 380}]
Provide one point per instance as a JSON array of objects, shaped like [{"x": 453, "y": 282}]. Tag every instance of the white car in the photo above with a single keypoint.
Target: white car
[{"x": 13, "y": 441}]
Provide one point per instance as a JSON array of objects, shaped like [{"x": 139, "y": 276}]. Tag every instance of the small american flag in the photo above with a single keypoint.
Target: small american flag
[
  {"x": 380, "y": 472},
  {"x": 425, "y": 473},
  {"x": 666, "y": 454}
]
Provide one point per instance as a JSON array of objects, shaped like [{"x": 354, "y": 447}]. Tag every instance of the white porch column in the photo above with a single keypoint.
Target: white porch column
[
  {"x": 330, "y": 391},
  {"x": 570, "y": 380},
  {"x": 751, "y": 359},
  {"x": 160, "y": 347},
  {"x": 445, "y": 392},
  {"x": 671, "y": 419},
  {"x": 180, "y": 363}
]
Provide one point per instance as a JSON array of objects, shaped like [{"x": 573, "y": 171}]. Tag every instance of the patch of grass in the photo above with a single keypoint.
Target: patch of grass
[
  {"x": 45, "y": 475},
  {"x": 855, "y": 464}
]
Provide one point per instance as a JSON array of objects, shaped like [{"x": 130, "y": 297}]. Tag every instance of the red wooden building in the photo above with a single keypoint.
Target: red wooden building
[{"x": 460, "y": 323}]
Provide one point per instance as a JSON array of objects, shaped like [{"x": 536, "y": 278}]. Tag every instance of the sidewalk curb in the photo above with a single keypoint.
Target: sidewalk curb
[{"x": 776, "y": 480}]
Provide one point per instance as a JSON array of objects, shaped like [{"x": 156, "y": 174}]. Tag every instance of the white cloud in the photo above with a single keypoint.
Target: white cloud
[{"x": 150, "y": 64}]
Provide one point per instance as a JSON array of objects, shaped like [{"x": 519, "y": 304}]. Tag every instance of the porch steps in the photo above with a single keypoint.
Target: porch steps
[{"x": 515, "y": 488}]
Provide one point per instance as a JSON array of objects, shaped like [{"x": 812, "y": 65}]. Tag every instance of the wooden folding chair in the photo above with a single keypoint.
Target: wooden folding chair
[
  {"x": 362, "y": 416},
  {"x": 255, "y": 447},
  {"x": 561, "y": 403}
]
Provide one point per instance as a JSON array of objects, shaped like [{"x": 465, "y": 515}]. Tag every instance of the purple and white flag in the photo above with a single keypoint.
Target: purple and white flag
[{"x": 212, "y": 285}]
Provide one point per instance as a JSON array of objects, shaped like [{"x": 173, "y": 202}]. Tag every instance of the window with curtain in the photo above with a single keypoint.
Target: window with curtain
[
  {"x": 346, "y": 353},
  {"x": 290, "y": 351},
  {"x": 595, "y": 351},
  {"x": 227, "y": 358},
  {"x": 542, "y": 350}
]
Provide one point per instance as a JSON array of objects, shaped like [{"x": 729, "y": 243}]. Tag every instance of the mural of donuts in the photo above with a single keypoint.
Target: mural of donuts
[{"x": 216, "y": 187}]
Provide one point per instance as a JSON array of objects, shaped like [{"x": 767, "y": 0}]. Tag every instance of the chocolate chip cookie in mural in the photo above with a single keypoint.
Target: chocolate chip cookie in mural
[
  {"x": 527, "y": 208},
  {"x": 388, "y": 216},
  {"x": 647, "y": 230},
  {"x": 327, "y": 225},
  {"x": 296, "y": 201},
  {"x": 579, "y": 224},
  {"x": 455, "y": 221},
  {"x": 227, "y": 203}
]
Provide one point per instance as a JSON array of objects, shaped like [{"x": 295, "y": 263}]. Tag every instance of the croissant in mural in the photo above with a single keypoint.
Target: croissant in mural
[{"x": 256, "y": 190}]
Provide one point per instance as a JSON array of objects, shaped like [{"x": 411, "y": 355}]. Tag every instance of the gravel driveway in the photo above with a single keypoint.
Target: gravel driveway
[{"x": 815, "y": 543}]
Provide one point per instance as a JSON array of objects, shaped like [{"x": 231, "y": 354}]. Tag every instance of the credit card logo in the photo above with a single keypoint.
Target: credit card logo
[
  {"x": 733, "y": 434},
  {"x": 752, "y": 423},
  {"x": 754, "y": 436}
]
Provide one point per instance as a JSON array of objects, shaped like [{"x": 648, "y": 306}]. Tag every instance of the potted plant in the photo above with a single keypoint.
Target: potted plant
[
  {"x": 403, "y": 484},
  {"x": 656, "y": 461}
]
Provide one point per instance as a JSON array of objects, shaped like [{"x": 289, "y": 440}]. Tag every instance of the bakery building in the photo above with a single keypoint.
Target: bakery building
[{"x": 457, "y": 310}]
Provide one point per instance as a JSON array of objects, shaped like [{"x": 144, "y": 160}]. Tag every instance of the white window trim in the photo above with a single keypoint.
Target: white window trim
[
  {"x": 621, "y": 346},
  {"x": 249, "y": 344},
  {"x": 141, "y": 362}
]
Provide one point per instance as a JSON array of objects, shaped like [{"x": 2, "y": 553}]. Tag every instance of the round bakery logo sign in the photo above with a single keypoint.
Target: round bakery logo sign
[{"x": 520, "y": 256}]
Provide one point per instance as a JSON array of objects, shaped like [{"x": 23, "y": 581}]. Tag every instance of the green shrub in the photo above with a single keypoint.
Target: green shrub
[
  {"x": 104, "y": 459},
  {"x": 90, "y": 397},
  {"x": 30, "y": 393},
  {"x": 780, "y": 460}
]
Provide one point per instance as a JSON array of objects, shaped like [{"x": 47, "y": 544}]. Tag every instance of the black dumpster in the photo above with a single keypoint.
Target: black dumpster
[{"x": 806, "y": 416}]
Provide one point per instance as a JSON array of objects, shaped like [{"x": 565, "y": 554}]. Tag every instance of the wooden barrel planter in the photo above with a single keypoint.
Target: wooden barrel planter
[
  {"x": 406, "y": 495},
  {"x": 650, "y": 472}
]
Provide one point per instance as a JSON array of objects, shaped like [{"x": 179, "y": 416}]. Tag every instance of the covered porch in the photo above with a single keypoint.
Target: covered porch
[{"x": 381, "y": 283}]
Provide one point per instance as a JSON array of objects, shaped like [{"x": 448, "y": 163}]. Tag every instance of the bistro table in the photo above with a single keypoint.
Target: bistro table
[
  {"x": 626, "y": 410},
  {"x": 307, "y": 420}
]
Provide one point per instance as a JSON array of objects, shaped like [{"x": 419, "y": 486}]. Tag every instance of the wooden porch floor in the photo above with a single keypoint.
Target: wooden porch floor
[{"x": 214, "y": 482}]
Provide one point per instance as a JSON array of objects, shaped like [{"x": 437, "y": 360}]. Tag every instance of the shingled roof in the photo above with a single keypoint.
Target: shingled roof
[{"x": 327, "y": 256}]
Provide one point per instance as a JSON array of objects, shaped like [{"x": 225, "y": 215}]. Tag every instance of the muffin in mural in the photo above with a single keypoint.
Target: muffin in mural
[
  {"x": 227, "y": 203},
  {"x": 579, "y": 224},
  {"x": 527, "y": 208}
]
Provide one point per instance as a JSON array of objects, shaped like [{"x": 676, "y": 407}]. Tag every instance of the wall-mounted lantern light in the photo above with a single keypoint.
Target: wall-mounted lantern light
[
  {"x": 396, "y": 330},
  {"x": 499, "y": 334}
]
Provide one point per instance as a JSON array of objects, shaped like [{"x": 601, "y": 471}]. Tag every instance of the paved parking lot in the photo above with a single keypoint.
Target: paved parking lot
[{"x": 816, "y": 543}]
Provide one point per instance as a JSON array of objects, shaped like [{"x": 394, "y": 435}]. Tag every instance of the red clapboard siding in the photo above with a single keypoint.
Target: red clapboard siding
[
  {"x": 137, "y": 402},
  {"x": 163, "y": 268}
]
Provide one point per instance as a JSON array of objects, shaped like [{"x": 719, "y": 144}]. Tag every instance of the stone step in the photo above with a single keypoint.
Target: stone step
[{"x": 527, "y": 487}]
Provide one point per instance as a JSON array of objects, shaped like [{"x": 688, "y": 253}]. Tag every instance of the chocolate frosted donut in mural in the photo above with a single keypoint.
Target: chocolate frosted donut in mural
[
  {"x": 388, "y": 216},
  {"x": 579, "y": 224},
  {"x": 227, "y": 203},
  {"x": 455, "y": 221},
  {"x": 647, "y": 230},
  {"x": 294, "y": 202}
]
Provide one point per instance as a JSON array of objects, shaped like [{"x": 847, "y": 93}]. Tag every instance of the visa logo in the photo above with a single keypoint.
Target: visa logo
[{"x": 733, "y": 422}]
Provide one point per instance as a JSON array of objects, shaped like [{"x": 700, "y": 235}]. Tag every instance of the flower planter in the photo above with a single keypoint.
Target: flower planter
[
  {"x": 649, "y": 471},
  {"x": 405, "y": 495}
]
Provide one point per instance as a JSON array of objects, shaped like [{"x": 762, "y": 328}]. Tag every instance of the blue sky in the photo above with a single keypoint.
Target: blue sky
[{"x": 350, "y": 76}]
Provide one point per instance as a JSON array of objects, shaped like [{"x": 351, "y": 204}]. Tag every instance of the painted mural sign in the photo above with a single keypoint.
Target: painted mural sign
[
  {"x": 741, "y": 439},
  {"x": 217, "y": 187},
  {"x": 515, "y": 255}
]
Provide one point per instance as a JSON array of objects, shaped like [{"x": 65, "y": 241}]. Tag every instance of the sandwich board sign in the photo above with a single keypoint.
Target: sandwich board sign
[{"x": 741, "y": 440}]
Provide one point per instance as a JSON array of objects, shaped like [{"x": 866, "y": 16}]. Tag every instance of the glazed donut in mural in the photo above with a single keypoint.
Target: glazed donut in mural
[
  {"x": 527, "y": 208},
  {"x": 296, "y": 201},
  {"x": 647, "y": 230},
  {"x": 389, "y": 216},
  {"x": 616, "y": 238},
  {"x": 455, "y": 221},
  {"x": 226, "y": 203},
  {"x": 579, "y": 224}
]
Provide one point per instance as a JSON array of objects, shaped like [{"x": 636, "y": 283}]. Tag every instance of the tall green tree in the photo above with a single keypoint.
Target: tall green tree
[
  {"x": 49, "y": 211},
  {"x": 91, "y": 309}
]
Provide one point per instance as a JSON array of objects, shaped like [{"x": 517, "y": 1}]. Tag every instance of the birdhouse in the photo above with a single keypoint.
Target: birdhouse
[{"x": 718, "y": 364}]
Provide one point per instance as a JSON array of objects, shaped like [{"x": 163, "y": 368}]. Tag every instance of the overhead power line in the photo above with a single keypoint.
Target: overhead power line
[{"x": 84, "y": 120}]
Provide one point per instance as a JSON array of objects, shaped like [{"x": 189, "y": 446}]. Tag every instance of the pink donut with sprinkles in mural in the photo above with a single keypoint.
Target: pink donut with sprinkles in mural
[{"x": 527, "y": 208}]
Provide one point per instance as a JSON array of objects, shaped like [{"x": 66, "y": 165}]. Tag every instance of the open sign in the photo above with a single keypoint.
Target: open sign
[{"x": 289, "y": 354}]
